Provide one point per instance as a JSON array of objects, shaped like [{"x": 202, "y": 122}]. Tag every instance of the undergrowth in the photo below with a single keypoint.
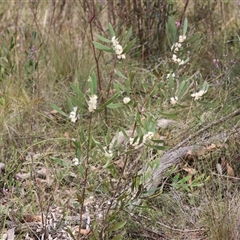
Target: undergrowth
[{"x": 88, "y": 111}]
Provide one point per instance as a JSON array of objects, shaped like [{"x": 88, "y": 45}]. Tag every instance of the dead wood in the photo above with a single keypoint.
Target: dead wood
[{"x": 178, "y": 153}]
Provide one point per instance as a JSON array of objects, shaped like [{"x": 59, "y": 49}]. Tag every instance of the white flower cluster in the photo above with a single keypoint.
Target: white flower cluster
[
  {"x": 175, "y": 48},
  {"x": 73, "y": 115},
  {"x": 76, "y": 161},
  {"x": 117, "y": 48},
  {"x": 92, "y": 104},
  {"x": 174, "y": 100},
  {"x": 107, "y": 153},
  {"x": 126, "y": 100},
  {"x": 137, "y": 144},
  {"x": 168, "y": 75},
  {"x": 198, "y": 95}
]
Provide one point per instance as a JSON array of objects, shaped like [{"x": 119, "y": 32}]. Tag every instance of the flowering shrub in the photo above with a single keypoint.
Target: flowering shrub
[{"x": 117, "y": 96}]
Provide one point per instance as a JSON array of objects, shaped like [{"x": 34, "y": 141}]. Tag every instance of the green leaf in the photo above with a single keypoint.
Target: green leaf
[
  {"x": 103, "y": 39},
  {"x": 171, "y": 31},
  {"x": 157, "y": 141},
  {"x": 113, "y": 98},
  {"x": 182, "y": 88},
  {"x": 209, "y": 104},
  {"x": 118, "y": 73},
  {"x": 114, "y": 105},
  {"x": 171, "y": 84},
  {"x": 77, "y": 91},
  {"x": 102, "y": 47},
  {"x": 195, "y": 37},
  {"x": 128, "y": 35},
  {"x": 185, "y": 179},
  {"x": 55, "y": 107},
  {"x": 116, "y": 226},
  {"x": 157, "y": 147},
  {"x": 60, "y": 161},
  {"x": 111, "y": 31},
  {"x": 118, "y": 237},
  {"x": 205, "y": 86},
  {"x": 79, "y": 103},
  {"x": 185, "y": 26},
  {"x": 169, "y": 115},
  {"x": 129, "y": 46},
  {"x": 93, "y": 84},
  {"x": 118, "y": 87}
]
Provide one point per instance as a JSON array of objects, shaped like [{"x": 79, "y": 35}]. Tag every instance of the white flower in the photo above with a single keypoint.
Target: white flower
[
  {"x": 181, "y": 38},
  {"x": 179, "y": 45},
  {"x": 122, "y": 56},
  {"x": 137, "y": 144},
  {"x": 108, "y": 154},
  {"x": 92, "y": 104},
  {"x": 148, "y": 136},
  {"x": 181, "y": 62},
  {"x": 75, "y": 161},
  {"x": 198, "y": 95},
  {"x": 114, "y": 41},
  {"x": 173, "y": 100},
  {"x": 126, "y": 100},
  {"x": 118, "y": 49},
  {"x": 174, "y": 57},
  {"x": 176, "y": 50},
  {"x": 73, "y": 115},
  {"x": 173, "y": 75}
]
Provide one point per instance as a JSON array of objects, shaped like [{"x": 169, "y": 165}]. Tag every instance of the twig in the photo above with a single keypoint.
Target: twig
[
  {"x": 180, "y": 230},
  {"x": 223, "y": 119},
  {"x": 226, "y": 176}
]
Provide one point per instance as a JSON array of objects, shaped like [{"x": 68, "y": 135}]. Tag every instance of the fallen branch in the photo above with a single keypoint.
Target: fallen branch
[{"x": 178, "y": 153}]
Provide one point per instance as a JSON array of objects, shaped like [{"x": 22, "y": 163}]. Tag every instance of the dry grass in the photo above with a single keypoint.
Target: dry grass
[{"x": 45, "y": 46}]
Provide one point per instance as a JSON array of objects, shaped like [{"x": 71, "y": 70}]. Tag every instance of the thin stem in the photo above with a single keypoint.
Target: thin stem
[
  {"x": 92, "y": 17},
  {"x": 85, "y": 176}
]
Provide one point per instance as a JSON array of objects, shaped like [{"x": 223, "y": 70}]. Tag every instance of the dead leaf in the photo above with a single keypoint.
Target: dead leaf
[
  {"x": 32, "y": 218},
  {"x": 23, "y": 176},
  {"x": 191, "y": 171},
  {"x": 230, "y": 171},
  {"x": 119, "y": 163},
  {"x": 211, "y": 147},
  {"x": 84, "y": 232}
]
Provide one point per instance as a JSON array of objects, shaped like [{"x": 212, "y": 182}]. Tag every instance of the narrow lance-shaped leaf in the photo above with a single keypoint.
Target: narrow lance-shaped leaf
[
  {"x": 129, "y": 46},
  {"x": 118, "y": 73},
  {"x": 77, "y": 91},
  {"x": 185, "y": 26},
  {"x": 55, "y": 107},
  {"x": 102, "y": 47},
  {"x": 113, "y": 98},
  {"x": 116, "y": 226},
  {"x": 103, "y": 39},
  {"x": 129, "y": 34},
  {"x": 111, "y": 31},
  {"x": 114, "y": 105},
  {"x": 93, "y": 84}
]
